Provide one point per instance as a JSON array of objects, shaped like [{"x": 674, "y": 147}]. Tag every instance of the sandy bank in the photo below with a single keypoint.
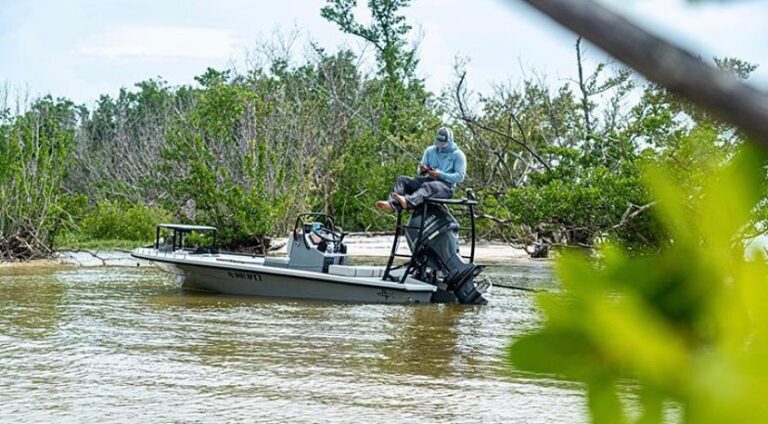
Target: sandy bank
[
  {"x": 379, "y": 246},
  {"x": 358, "y": 245}
]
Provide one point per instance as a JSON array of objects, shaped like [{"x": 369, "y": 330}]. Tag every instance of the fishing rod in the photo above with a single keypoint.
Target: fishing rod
[{"x": 407, "y": 152}]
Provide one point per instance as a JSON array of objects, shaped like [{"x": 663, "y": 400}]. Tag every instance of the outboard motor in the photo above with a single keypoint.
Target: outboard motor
[{"x": 439, "y": 250}]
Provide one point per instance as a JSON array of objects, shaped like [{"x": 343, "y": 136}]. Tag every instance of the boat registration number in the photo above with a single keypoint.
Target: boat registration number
[{"x": 244, "y": 275}]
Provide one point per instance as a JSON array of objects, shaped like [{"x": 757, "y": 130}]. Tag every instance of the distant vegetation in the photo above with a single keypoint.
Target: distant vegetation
[{"x": 552, "y": 163}]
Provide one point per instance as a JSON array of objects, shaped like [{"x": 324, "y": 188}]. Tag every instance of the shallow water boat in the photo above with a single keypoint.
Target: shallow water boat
[{"x": 317, "y": 264}]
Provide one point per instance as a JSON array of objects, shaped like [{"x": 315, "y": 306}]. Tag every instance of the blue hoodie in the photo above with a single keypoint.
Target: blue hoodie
[{"x": 450, "y": 160}]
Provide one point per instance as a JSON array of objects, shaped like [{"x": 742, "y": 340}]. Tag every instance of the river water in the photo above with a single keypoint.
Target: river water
[{"x": 120, "y": 344}]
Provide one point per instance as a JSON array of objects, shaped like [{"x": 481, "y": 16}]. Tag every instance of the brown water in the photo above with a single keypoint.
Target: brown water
[{"x": 124, "y": 345}]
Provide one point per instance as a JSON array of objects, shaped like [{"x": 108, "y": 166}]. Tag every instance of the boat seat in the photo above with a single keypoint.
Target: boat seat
[
  {"x": 356, "y": 271},
  {"x": 280, "y": 262}
]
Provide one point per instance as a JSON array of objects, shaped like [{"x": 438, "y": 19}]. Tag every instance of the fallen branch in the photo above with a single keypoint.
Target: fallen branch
[{"x": 103, "y": 260}]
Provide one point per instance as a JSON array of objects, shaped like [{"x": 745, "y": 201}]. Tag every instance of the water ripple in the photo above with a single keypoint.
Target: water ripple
[{"x": 124, "y": 345}]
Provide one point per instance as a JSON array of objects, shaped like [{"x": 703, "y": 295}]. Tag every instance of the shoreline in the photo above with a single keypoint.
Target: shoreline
[{"x": 361, "y": 246}]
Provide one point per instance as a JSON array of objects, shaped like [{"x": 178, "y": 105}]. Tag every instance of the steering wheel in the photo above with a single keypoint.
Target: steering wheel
[
  {"x": 327, "y": 234},
  {"x": 322, "y": 226}
]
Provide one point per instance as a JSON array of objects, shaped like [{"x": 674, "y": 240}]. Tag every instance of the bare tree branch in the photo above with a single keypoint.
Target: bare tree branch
[
  {"x": 664, "y": 63},
  {"x": 472, "y": 121}
]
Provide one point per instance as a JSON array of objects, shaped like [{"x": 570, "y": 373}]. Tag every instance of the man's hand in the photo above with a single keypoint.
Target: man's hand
[
  {"x": 434, "y": 173},
  {"x": 423, "y": 169}
]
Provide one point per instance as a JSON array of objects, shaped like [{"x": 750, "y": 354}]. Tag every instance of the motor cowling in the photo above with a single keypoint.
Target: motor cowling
[{"x": 439, "y": 247}]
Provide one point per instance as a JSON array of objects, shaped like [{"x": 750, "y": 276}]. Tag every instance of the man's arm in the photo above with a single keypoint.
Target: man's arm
[{"x": 459, "y": 170}]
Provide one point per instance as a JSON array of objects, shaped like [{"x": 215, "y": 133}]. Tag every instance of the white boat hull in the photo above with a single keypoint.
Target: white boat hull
[{"x": 250, "y": 277}]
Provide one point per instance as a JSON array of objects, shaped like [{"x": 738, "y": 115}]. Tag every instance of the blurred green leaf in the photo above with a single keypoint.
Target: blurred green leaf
[{"x": 686, "y": 325}]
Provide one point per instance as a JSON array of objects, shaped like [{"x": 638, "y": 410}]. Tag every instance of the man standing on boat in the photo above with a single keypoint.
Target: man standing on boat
[{"x": 444, "y": 165}]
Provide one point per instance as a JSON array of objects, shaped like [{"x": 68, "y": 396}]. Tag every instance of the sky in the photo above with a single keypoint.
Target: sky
[{"x": 81, "y": 49}]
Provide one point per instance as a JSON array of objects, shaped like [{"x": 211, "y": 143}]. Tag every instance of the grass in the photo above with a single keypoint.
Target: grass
[{"x": 75, "y": 242}]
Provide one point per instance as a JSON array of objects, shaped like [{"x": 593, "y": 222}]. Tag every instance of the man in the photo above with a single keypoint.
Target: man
[{"x": 444, "y": 166}]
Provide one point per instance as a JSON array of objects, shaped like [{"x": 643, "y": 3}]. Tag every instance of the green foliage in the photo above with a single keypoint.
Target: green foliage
[
  {"x": 688, "y": 325},
  {"x": 403, "y": 94},
  {"x": 584, "y": 208},
  {"x": 110, "y": 220},
  {"x": 223, "y": 174},
  {"x": 386, "y": 32},
  {"x": 196, "y": 239}
]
